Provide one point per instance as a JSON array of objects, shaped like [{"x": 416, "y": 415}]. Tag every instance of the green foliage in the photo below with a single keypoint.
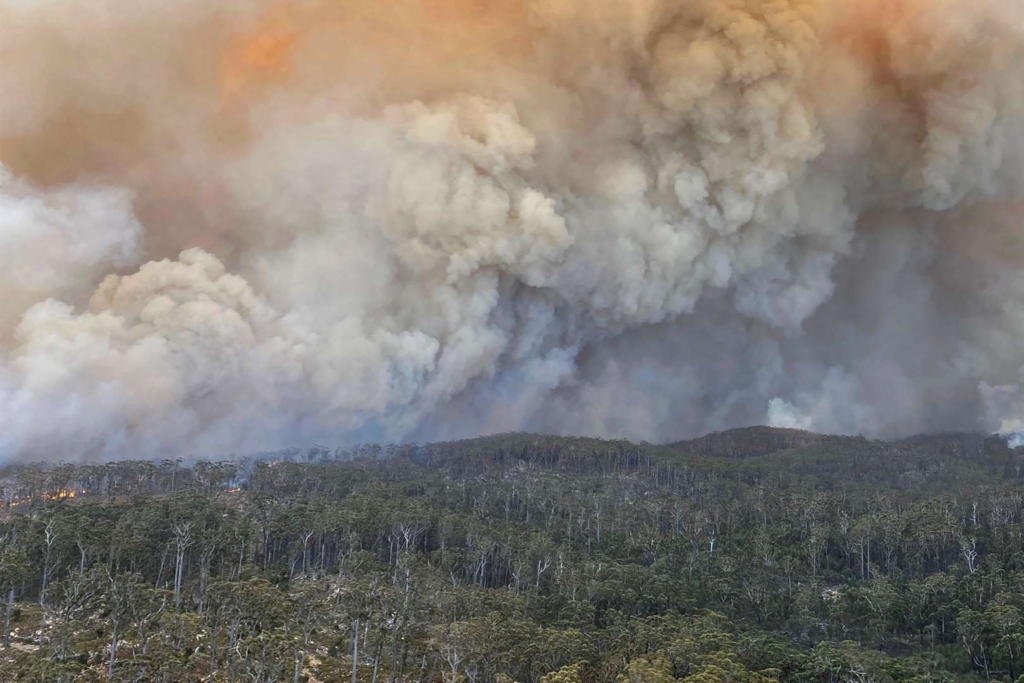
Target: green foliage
[
  {"x": 745, "y": 557},
  {"x": 572, "y": 673}
]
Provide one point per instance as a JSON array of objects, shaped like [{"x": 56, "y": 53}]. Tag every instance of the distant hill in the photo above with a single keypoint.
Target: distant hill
[
  {"x": 750, "y": 456},
  {"x": 789, "y": 458},
  {"x": 749, "y": 442}
]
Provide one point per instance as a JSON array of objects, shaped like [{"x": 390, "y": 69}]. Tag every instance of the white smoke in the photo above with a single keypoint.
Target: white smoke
[
  {"x": 59, "y": 242},
  {"x": 438, "y": 218}
]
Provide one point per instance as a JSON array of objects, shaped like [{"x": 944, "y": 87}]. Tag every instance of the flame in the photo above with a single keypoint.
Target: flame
[{"x": 62, "y": 494}]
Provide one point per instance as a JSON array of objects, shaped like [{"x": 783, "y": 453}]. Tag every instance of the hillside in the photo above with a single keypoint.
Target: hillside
[
  {"x": 751, "y": 442},
  {"x": 753, "y": 555}
]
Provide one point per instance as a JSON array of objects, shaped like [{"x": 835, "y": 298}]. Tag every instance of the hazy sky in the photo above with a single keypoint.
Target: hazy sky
[{"x": 232, "y": 225}]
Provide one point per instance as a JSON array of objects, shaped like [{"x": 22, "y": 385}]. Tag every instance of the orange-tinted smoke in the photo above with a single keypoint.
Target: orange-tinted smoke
[
  {"x": 869, "y": 27},
  {"x": 260, "y": 56},
  {"x": 401, "y": 42}
]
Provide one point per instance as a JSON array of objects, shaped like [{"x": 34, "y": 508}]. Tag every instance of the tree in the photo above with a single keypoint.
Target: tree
[
  {"x": 648, "y": 670},
  {"x": 182, "y": 542},
  {"x": 120, "y": 600},
  {"x": 14, "y": 568},
  {"x": 571, "y": 673}
]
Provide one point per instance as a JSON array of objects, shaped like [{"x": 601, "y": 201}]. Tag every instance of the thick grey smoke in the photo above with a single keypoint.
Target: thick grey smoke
[{"x": 229, "y": 226}]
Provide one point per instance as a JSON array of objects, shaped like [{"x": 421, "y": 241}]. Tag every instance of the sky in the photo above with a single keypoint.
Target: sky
[{"x": 231, "y": 226}]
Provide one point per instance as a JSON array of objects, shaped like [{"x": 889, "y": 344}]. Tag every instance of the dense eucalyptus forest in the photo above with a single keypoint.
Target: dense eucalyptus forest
[{"x": 747, "y": 556}]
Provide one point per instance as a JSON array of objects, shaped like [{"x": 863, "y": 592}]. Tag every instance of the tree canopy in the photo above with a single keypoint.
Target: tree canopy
[{"x": 748, "y": 556}]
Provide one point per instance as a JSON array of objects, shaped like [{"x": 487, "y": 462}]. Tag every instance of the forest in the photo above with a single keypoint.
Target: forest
[{"x": 746, "y": 556}]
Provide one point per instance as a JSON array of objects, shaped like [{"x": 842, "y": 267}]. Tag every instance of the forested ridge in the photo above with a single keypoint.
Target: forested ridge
[{"x": 752, "y": 555}]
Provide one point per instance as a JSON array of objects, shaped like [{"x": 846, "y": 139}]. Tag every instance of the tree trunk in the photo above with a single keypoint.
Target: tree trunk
[
  {"x": 204, "y": 579},
  {"x": 430, "y": 674},
  {"x": 213, "y": 648},
  {"x": 42, "y": 583},
  {"x": 394, "y": 656},
  {"x": 302, "y": 655},
  {"x": 355, "y": 649},
  {"x": 299, "y": 657},
  {"x": 113, "y": 653},
  {"x": 376, "y": 657},
  {"x": 7, "y": 617},
  {"x": 178, "y": 565}
]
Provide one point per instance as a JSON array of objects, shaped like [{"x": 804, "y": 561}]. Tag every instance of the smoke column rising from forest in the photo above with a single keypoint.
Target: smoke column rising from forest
[{"x": 236, "y": 225}]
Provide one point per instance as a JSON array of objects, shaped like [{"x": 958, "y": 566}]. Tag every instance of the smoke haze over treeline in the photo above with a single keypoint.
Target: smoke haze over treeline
[{"x": 238, "y": 225}]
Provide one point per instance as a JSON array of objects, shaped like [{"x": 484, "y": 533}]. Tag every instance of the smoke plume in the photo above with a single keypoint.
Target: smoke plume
[{"x": 234, "y": 225}]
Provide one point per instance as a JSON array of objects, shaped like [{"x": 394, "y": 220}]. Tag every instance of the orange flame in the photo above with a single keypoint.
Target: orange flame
[{"x": 62, "y": 494}]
